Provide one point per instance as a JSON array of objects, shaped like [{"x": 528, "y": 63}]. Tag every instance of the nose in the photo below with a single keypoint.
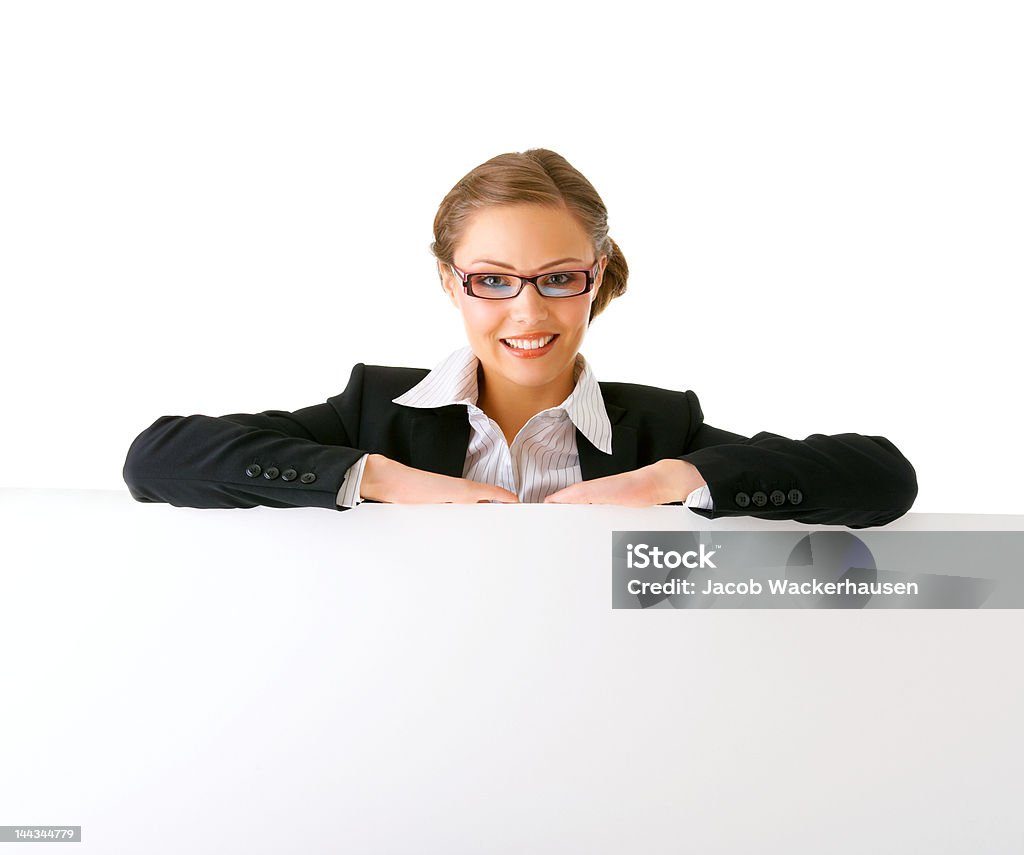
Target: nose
[{"x": 529, "y": 304}]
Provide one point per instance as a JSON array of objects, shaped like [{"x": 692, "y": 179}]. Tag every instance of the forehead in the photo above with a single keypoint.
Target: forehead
[{"x": 522, "y": 235}]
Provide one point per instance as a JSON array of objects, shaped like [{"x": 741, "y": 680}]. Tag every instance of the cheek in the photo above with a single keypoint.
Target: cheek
[
  {"x": 576, "y": 319},
  {"x": 480, "y": 323}
]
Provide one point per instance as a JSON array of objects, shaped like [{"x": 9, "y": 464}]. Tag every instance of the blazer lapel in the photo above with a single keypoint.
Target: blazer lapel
[
  {"x": 440, "y": 439},
  {"x": 595, "y": 463}
]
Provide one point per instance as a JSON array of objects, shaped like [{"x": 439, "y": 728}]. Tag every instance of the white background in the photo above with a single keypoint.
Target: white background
[{"x": 221, "y": 207}]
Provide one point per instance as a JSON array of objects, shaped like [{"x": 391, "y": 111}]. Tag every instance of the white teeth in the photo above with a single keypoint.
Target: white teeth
[{"x": 523, "y": 344}]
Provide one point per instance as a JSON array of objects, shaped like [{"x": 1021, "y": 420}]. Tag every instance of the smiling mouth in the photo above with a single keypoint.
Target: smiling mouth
[{"x": 529, "y": 345}]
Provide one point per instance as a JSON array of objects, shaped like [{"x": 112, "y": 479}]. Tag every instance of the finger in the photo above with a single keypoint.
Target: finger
[
  {"x": 576, "y": 494},
  {"x": 447, "y": 489},
  {"x": 493, "y": 493},
  {"x": 499, "y": 495},
  {"x": 504, "y": 498},
  {"x": 598, "y": 494},
  {"x": 490, "y": 493}
]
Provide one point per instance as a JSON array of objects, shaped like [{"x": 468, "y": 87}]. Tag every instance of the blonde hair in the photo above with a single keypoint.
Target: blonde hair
[{"x": 537, "y": 176}]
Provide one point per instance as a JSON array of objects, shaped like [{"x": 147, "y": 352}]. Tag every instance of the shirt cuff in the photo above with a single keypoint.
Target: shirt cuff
[
  {"x": 700, "y": 498},
  {"x": 348, "y": 495}
]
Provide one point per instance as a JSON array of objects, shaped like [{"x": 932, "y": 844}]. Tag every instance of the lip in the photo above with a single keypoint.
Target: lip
[
  {"x": 531, "y": 335},
  {"x": 530, "y": 354}
]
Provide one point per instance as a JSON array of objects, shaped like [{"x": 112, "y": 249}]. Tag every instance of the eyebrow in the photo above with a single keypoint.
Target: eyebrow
[{"x": 543, "y": 266}]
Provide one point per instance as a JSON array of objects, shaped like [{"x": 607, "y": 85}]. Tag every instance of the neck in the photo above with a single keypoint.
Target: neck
[{"x": 512, "y": 406}]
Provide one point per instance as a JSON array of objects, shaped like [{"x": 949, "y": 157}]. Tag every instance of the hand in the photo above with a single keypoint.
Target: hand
[
  {"x": 387, "y": 480},
  {"x": 659, "y": 483}
]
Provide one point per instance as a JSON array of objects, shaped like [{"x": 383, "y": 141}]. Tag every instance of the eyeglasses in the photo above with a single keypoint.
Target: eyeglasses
[{"x": 504, "y": 286}]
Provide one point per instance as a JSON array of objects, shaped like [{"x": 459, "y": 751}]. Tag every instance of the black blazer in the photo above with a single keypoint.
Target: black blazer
[{"x": 298, "y": 459}]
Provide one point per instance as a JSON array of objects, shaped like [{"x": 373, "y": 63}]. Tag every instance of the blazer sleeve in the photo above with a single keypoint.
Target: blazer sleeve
[
  {"x": 846, "y": 479},
  {"x": 274, "y": 458}
]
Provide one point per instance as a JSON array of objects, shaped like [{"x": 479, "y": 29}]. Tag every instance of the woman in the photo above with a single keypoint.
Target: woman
[{"x": 523, "y": 252}]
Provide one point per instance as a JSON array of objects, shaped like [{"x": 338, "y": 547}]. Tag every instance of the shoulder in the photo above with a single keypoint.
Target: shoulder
[
  {"x": 379, "y": 382},
  {"x": 386, "y": 379},
  {"x": 651, "y": 408},
  {"x": 636, "y": 395}
]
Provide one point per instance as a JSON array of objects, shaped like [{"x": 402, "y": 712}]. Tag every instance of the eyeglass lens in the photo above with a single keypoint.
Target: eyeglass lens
[{"x": 497, "y": 285}]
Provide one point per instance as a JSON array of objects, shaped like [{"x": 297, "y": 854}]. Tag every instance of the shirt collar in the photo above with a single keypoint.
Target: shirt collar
[{"x": 453, "y": 381}]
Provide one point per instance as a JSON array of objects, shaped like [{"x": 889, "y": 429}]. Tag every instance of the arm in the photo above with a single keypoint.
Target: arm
[
  {"x": 282, "y": 460},
  {"x": 846, "y": 479},
  {"x": 275, "y": 458}
]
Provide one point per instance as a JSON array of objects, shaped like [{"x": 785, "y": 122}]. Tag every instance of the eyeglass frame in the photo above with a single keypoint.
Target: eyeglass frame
[{"x": 591, "y": 275}]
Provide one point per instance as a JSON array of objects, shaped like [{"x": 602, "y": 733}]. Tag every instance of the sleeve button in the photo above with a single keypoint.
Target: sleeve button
[
  {"x": 777, "y": 497},
  {"x": 289, "y": 475},
  {"x": 742, "y": 499},
  {"x": 795, "y": 496},
  {"x": 271, "y": 472},
  {"x": 760, "y": 499},
  {"x": 252, "y": 470},
  {"x": 307, "y": 478}
]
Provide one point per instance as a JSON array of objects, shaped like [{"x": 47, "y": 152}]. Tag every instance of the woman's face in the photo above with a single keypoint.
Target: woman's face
[{"x": 524, "y": 239}]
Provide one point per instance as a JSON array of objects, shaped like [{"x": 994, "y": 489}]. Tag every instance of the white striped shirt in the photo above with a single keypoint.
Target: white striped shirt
[{"x": 543, "y": 457}]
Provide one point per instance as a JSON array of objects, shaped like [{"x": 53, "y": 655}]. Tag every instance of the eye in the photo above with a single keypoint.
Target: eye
[{"x": 492, "y": 281}]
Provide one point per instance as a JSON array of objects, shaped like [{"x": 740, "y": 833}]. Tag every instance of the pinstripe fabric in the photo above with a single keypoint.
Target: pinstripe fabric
[{"x": 543, "y": 457}]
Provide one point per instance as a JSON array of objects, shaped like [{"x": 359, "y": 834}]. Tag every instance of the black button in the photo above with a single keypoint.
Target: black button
[
  {"x": 307, "y": 478},
  {"x": 760, "y": 499},
  {"x": 289, "y": 474},
  {"x": 795, "y": 496},
  {"x": 252, "y": 470},
  {"x": 777, "y": 497},
  {"x": 742, "y": 499},
  {"x": 271, "y": 472}
]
